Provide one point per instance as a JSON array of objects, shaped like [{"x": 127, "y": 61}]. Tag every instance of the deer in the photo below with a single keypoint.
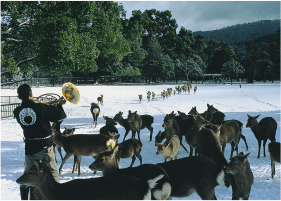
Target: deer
[
  {"x": 239, "y": 176},
  {"x": 211, "y": 114},
  {"x": 95, "y": 111},
  {"x": 148, "y": 95},
  {"x": 147, "y": 121},
  {"x": 263, "y": 130},
  {"x": 140, "y": 97},
  {"x": 109, "y": 126},
  {"x": 66, "y": 132},
  {"x": 195, "y": 89},
  {"x": 230, "y": 132},
  {"x": 153, "y": 95},
  {"x": 208, "y": 114},
  {"x": 274, "y": 150},
  {"x": 108, "y": 163},
  {"x": 194, "y": 174},
  {"x": 197, "y": 122},
  {"x": 123, "y": 187},
  {"x": 170, "y": 149},
  {"x": 83, "y": 145},
  {"x": 172, "y": 127},
  {"x": 130, "y": 148},
  {"x": 100, "y": 99},
  {"x": 185, "y": 175},
  {"x": 208, "y": 144},
  {"x": 135, "y": 123}
]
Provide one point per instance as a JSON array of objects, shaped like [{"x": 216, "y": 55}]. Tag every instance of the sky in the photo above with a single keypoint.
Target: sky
[{"x": 209, "y": 15}]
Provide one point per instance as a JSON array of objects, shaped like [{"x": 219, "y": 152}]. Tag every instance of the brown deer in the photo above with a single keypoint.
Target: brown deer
[
  {"x": 100, "y": 99},
  {"x": 195, "y": 89},
  {"x": 263, "y": 130},
  {"x": 172, "y": 127},
  {"x": 123, "y": 187},
  {"x": 95, "y": 111},
  {"x": 230, "y": 132},
  {"x": 109, "y": 126},
  {"x": 66, "y": 132},
  {"x": 208, "y": 145},
  {"x": 208, "y": 114},
  {"x": 170, "y": 149},
  {"x": 135, "y": 123},
  {"x": 196, "y": 123},
  {"x": 148, "y": 95},
  {"x": 84, "y": 145},
  {"x": 153, "y": 95},
  {"x": 239, "y": 176},
  {"x": 274, "y": 150},
  {"x": 140, "y": 97},
  {"x": 108, "y": 163},
  {"x": 147, "y": 121},
  {"x": 130, "y": 148},
  {"x": 186, "y": 175}
]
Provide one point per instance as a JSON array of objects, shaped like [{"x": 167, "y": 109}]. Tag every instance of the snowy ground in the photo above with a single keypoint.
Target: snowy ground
[{"x": 235, "y": 102}]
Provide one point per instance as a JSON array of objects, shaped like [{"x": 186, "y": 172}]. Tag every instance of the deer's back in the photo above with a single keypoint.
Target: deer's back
[
  {"x": 86, "y": 144},
  {"x": 208, "y": 145},
  {"x": 274, "y": 150},
  {"x": 268, "y": 127},
  {"x": 190, "y": 173},
  {"x": 147, "y": 120},
  {"x": 229, "y": 131},
  {"x": 125, "y": 187},
  {"x": 242, "y": 181}
]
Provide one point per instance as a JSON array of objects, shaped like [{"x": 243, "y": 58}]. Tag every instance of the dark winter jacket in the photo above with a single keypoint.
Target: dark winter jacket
[{"x": 34, "y": 119}]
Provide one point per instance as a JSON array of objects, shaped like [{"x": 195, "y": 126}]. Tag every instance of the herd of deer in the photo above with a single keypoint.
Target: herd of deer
[
  {"x": 168, "y": 92},
  {"x": 206, "y": 133}
]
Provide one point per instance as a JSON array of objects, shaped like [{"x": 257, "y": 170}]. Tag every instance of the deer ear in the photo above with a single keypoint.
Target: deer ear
[
  {"x": 73, "y": 129},
  {"x": 257, "y": 116},
  {"x": 156, "y": 144}
]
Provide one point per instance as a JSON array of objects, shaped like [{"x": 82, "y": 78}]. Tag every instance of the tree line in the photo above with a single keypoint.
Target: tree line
[{"x": 83, "y": 37}]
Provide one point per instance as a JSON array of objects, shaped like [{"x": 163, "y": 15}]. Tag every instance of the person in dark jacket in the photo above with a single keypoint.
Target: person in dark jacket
[{"x": 35, "y": 118}]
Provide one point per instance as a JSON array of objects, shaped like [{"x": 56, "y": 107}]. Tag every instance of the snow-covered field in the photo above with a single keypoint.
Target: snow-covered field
[{"x": 235, "y": 102}]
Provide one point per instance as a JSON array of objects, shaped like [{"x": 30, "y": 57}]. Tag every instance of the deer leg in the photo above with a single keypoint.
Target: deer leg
[
  {"x": 78, "y": 163},
  {"x": 191, "y": 151},
  {"x": 67, "y": 156},
  {"x": 259, "y": 143},
  {"x": 74, "y": 164},
  {"x": 54, "y": 147},
  {"x": 133, "y": 134},
  {"x": 127, "y": 131},
  {"x": 138, "y": 135},
  {"x": 151, "y": 132},
  {"x": 264, "y": 142},
  {"x": 272, "y": 168},
  {"x": 133, "y": 160},
  {"x": 59, "y": 150},
  {"x": 244, "y": 138},
  {"x": 223, "y": 147},
  {"x": 139, "y": 157},
  {"x": 232, "y": 149}
]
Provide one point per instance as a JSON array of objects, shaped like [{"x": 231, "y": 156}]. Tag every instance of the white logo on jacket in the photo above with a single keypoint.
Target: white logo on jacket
[{"x": 27, "y": 116}]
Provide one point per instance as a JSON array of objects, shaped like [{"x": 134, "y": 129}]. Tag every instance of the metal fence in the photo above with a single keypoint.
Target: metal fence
[{"x": 9, "y": 103}]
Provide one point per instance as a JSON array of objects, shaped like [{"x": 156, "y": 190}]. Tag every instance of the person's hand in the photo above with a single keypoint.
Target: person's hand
[{"x": 62, "y": 100}]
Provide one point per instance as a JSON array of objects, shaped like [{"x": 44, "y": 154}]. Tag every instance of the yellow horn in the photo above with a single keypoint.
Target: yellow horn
[{"x": 69, "y": 92}]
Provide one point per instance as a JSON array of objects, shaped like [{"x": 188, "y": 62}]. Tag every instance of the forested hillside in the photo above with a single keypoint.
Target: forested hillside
[
  {"x": 51, "y": 39},
  {"x": 241, "y": 33}
]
